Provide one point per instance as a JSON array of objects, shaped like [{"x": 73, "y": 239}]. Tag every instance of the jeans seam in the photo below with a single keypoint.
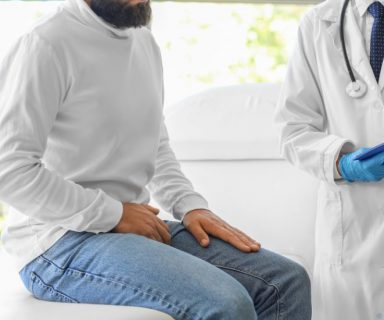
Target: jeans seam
[
  {"x": 34, "y": 279},
  {"x": 68, "y": 259},
  {"x": 280, "y": 304},
  {"x": 183, "y": 313},
  {"x": 133, "y": 287}
]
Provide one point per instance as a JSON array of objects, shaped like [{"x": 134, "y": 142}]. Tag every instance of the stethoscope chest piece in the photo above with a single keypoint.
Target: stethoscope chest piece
[{"x": 356, "y": 89}]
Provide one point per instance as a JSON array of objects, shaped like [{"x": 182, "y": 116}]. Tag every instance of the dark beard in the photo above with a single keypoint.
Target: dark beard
[{"x": 123, "y": 15}]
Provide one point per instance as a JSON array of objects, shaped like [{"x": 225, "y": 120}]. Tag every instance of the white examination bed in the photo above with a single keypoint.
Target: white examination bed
[{"x": 228, "y": 146}]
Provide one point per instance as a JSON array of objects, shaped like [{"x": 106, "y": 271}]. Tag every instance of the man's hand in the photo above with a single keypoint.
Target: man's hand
[
  {"x": 202, "y": 222},
  {"x": 142, "y": 219}
]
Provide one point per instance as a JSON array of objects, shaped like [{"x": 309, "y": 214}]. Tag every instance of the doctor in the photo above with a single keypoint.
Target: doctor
[{"x": 331, "y": 108}]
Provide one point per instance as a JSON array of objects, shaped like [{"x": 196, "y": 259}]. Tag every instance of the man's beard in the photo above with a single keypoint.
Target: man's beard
[{"x": 122, "y": 14}]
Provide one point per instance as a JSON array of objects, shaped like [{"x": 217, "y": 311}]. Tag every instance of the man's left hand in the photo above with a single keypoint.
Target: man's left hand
[{"x": 202, "y": 222}]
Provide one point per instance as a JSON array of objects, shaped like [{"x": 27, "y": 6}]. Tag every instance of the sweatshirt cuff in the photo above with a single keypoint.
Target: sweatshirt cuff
[
  {"x": 188, "y": 203},
  {"x": 113, "y": 211}
]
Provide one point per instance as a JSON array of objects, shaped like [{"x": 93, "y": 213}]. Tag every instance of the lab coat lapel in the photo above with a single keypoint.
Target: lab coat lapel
[
  {"x": 356, "y": 49},
  {"x": 355, "y": 43}
]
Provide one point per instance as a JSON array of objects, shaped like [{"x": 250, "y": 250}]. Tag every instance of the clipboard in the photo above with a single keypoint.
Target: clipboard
[{"x": 370, "y": 152}]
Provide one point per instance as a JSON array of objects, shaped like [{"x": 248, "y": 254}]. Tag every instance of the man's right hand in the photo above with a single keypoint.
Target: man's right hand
[{"x": 142, "y": 219}]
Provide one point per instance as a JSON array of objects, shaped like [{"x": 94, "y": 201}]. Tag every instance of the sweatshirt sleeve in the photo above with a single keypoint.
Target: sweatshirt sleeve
[
  {"x": 301, "y": 117},
  {"x": 169, "y": 186},
  {"x": 32, "y": 89}
]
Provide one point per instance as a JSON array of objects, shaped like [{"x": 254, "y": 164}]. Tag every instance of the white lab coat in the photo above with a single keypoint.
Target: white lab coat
[{"x": 317, "y": 120}]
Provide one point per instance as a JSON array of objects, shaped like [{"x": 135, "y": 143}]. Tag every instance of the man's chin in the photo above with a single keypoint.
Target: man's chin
[{"x": 136, "y": 14}]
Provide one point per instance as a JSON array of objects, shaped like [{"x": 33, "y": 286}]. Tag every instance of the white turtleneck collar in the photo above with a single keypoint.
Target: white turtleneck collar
[{"x": 82, "y": 10}]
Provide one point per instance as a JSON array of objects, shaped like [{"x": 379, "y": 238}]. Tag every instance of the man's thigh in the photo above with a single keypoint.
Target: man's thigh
[
  {"x": 127, "y": 269},
  {"x": 277, "y": 285},
  {"x": 265, "y": 264}
]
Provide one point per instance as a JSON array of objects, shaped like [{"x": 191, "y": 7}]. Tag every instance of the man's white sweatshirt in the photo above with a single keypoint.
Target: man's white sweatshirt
[{"x": 82, "y": 131}]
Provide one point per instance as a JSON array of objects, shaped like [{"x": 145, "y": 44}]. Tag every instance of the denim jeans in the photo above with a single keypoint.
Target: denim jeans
[{"x": 183, "y": 279}]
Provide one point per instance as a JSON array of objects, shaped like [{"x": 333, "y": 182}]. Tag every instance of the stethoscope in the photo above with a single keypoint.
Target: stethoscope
[{"x": 356, "y": 88}]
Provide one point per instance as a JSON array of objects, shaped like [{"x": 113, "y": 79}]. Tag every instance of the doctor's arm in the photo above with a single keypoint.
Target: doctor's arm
[
  {"x": 32, "y": 88},
  {"x": 300, "y": 115}
]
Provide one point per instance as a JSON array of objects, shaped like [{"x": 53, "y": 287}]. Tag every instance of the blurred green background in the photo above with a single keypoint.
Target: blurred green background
[{"x": 202, "y": 44}]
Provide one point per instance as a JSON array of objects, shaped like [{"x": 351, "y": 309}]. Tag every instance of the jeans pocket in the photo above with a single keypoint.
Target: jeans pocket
[{"x": 43, "y": 291}]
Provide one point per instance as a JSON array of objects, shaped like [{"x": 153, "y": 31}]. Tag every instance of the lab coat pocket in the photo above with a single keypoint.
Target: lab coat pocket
[{"x": 329, "y": 226}]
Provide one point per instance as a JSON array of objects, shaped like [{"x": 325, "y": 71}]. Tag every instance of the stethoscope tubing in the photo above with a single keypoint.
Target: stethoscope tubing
[
  {"x": 342, "y": 37},
  {"x": 356, "y": 88}
]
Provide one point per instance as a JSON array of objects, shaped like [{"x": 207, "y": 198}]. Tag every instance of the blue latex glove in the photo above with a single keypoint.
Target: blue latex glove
[{"x": 368, "y": 170}]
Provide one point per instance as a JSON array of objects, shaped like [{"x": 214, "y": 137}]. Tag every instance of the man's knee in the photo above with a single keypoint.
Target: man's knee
[
  {"x": 233, "y": 303},
  {"x": 241, "y": 307},
  {"x": 299, "y": 278},
  {"x": 296, "y": 290}
]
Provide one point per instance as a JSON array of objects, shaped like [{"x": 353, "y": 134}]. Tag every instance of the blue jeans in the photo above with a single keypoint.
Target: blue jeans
[{"x": 183, "y": 279}]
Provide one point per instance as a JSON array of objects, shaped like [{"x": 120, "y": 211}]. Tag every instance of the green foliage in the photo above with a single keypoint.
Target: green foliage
[
  {"x": 207, "y": 45},
  {"x": 265, "y": 37}
]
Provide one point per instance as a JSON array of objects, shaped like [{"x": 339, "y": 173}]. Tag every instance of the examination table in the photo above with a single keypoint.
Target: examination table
[{"x": 227, "y": 145}]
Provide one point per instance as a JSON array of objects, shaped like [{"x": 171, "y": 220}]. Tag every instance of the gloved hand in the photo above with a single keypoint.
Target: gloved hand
[{"x": 368, "y": 170}]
